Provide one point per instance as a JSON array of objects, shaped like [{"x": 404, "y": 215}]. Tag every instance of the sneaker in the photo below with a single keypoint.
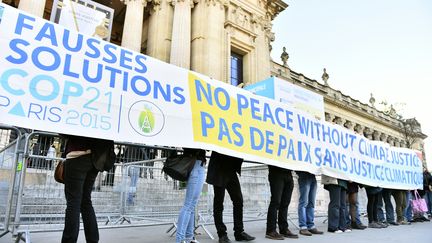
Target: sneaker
[
  {"x": 288, "y": 234},
  {"x": 335, "y": 231},
  {"x": 382, "y": 224},
  {"x": 315, "y": 231},
  {"x": 274, "y": 236},
  {"x": 224, "y": 239},
  {"x": 394, "y": 223},
  {"x": 347, "y": 230},
  {"x": 305, "y": 232},
  {"x": 243, "y": 236}
]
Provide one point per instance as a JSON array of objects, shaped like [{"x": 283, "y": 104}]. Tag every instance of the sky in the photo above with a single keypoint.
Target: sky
[{"x": 383, "y": 47}]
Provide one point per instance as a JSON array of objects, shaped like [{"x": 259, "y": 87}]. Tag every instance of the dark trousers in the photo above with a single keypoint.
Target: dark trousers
[
  {"x": 234, "y": 191},
  {"x": 372, "y": 207},
  {"x": 281, "y": 187},
  {"x": 79, "y": 178},
  {"x": 336, "y": 208},
  {"x": 400, "y": 200}
]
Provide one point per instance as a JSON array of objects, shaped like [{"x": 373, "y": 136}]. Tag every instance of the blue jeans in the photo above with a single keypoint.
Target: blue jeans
[
  {"x": 408, "y": 209},
  {"x": 186, "y": 219},
  {"x": 336, "y": 208},
  {"x": 307, "y": 188},
  {"x": 134, "y": 174},
  {"x": 428, "y": 197},
  {"x": 385, "y": 198}
]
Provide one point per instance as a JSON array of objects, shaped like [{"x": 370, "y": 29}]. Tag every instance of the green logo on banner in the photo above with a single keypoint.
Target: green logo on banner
[
  {"x": 146, "y": 121},
  {"x": 146, "y": 118}
]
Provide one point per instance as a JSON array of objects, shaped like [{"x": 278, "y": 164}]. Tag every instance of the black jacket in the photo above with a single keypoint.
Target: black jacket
[{"x": 222, "y": 168}]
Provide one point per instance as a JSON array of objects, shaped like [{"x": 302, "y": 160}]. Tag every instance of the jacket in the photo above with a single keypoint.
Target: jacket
[{"x": 222, "y": 168}]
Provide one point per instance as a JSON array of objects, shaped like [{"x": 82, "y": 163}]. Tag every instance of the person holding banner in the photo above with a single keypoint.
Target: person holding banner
[
  {"x": 372, "y": 207},
  {"x": 337, "y": 189},
  {"x": 81, "y": 168},
  {"x": 222, "y": 174},
  {"x": 186, "y": 220},
  {"x": 306, "y": 207},
  {"x": 281, "y": 187}
]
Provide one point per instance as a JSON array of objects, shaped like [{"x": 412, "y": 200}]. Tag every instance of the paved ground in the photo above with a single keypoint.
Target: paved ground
[{"x": 415, "y": 233}]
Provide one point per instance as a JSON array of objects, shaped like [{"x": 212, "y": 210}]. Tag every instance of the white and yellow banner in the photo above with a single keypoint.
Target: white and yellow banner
[{"x": 58, "y": 80}]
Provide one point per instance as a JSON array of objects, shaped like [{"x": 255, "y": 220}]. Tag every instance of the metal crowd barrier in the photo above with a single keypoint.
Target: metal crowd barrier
[
  {"x": 134, "y": 193},
  {"x": 10, "y": 172}
]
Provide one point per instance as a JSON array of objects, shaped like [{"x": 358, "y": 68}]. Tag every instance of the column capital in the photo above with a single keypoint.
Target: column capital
[
  {"x": 222, "y": 3},
  {"x": 143, "y": 2},
  {"x": 190, "y": 2}
]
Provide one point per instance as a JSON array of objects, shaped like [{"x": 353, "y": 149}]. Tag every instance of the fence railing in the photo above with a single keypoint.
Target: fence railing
[{"x": 134, "y": 193}]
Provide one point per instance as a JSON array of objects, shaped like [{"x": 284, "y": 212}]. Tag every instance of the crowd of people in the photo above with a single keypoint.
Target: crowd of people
[{"x": 223, "y": 173}]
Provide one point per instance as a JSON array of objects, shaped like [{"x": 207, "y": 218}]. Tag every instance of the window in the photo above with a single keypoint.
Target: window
[{"x": 236, "y": 69}]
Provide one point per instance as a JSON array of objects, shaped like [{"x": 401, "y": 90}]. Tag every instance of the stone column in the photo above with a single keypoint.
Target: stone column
[
  {"x": 35, "y": 7},
  {"x": 263, "y": 45},
  {"x": 210, "y": 48},
  {"x": 396, "y": 142},
  {"x": 160, "y": 29},
  {"x": 181, "y": 34},
  {"x": 133, "y": 24}
]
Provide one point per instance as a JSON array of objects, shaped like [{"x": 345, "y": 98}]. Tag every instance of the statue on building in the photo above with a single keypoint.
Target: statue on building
[
  {"x": 284, "y": 56},
  {"x": 325, "y": 77},
  {"x": 372, "y": 100}
]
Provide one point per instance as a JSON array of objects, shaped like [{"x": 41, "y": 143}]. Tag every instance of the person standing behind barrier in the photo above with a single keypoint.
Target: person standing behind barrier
[
  {"x": 79, "y": 176},
  {"x": 186, "y": 219},
  {"x": 133, "y": 154},
  {"x": 336, "y": 209},
  {"x": 306, "y": 207},
  {"x": 281, "y": 187},
  {"x": 222, "y": 174},
  {"x": 385, "y": 198},
  {"x": 372, "y": 207},
  {"x": 353, "y": 213},
  {"x": 400, "y": 200}
]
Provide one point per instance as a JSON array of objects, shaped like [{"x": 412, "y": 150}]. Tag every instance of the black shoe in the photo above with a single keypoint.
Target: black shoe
[
  {"x": 274, "y": 236},
  {"x": 243, "y": 236},
  {"x": 394, "y": 223},
  {"x": 224, "y": 239},
  {"x": 358, "y": 226}
]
